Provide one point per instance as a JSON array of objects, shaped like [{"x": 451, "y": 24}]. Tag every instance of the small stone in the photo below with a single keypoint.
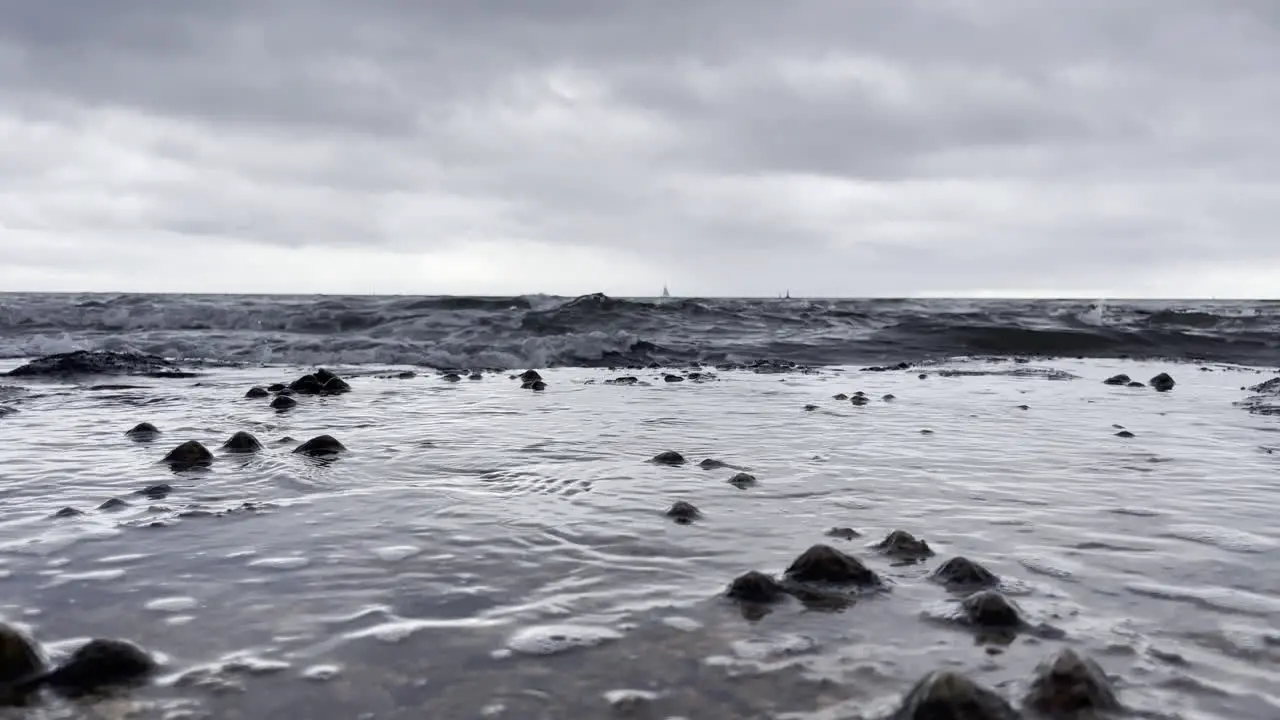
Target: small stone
[
  {"x": 683, "y": 512},
  {"x": 536, "y": 386},
  {"x": 257, "y": 392},
  {"x": 1120, "y": 379},
  {"x": 242, "y": 442},
  {"x": 1136, "y": 384},
  {"x": 742, "y": 480},
  {"x": 156, "y": 492},
  {"x": 451, "y": 377},
  {"x": 844, "y": 533},
  {"x": 990, "y": 609},
  {"x": 276, "y": 387},
  {"x": 923, "y": 376},
  {"x": 889, "y": 397},
  {"x": 1161, "y": 383},
  {"x": 529, "y": 376},
  {"x": 672, "y": 378},
  {"x": 143, "y": 431},
  {"x": 839, "y": 396},
  {"x": 707, "y": 464},
  {"x": 283, "y": 402},
  {"x": 407, "y": 375},
  {"x": 99, "y": 664},
  {"x": 669, "y": 457},
  {"x": 948, "y": 695},
  {"x": 903, "y": 544},
  {"x": 810, "y": 408},
  {"x": 1068, "y": 685},
  {"x": 113, "y": 504},
  {"x": 1024, "y": 407},
  {"x": 189, "y": 454},
  {"x": 755, "y": 587},
  {"x": 475, "y": 376},
  {"x": 823, "y": 563},
  {"x": 961, "y": 572},
  {"x": 859, "y": 400},
  {"x": 320, "y": 445},
  {"x": 1124, "y": 434},
  {"x": 67, "y": 512}
]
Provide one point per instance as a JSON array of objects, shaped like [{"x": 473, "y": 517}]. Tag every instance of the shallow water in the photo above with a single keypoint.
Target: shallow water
[{"x": 487, "y": 551}]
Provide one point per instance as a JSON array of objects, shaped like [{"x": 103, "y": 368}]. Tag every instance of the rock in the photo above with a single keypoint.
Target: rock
[
  {"x": 810, "y": 407},
  {"x": 742, "y": 480},
  {"x": 890, "y": 397},
  {"x": 6, "y": 411},
  {"x": 668, "y": 457},
  {"x": 1124, "y": 434},
  {"x": 284, "y": 402},
  {"x": 991, "y": 609},
  {"x": 1161, "y": 383},
  {"x": 948, "y": 695},
  {"x": 156, "y": 492},
  {"x": 1024, "y": 407},
  {"x": 844, "y": 533},
  {"x": 277, "y": 387},
  {"x": 859, "y": 400},
  {"x": 1120, "y": 379},
  {"x": 242, "y": 442},
  {"x": 451, "y": 377},
  {"x": 839, "y": 396},
  {"x": 113, "y": 504},
  {"x": 320, "y": 445},
  {"x": 961, "y": 572},
  {"x": 98, "y": 665},
  {"x": 100, "y": 362},
  {"x": 902, "y": 544},
  {"x": 923, "y": 376},
  {"x": 475, "y": 376},
  {"x": 406, "y": 375},
  {"x": 756, "y": 587},
  {"x": 536, "y": 386},
  {"x": 529, "y": 376},
  {"x": 823, "y": 563},
  {"x": 256, "y": 392},
  {"x": 20, "y": 657},
  {"x": 143, "y": 431},
  {"x": 672, "y": 378},
  {"x": 1136, "y": 384},
  {"x": 189, "y": 454},
  {"x": 683, "y": 512},
  {"x": 1068, "y": 685},
  {"x": 707, "y": 464},
  {"x": 67, "y": 512}
]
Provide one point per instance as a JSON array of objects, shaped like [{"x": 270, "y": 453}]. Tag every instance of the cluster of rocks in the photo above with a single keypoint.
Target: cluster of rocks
[
  {"x": 531, "y": 380},
  {"x": 97, "y": 667},
  {"x": 320, "y": 382},
  {"x": 1160, "y": 383},
  {"x": 101, "y": 362}
]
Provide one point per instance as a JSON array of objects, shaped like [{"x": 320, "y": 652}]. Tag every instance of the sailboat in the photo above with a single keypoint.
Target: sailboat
[{"x": 665, "y": 292}]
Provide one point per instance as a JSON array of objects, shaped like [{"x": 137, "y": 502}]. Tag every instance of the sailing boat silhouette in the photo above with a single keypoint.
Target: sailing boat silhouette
[{"x": 665, "y": 292}]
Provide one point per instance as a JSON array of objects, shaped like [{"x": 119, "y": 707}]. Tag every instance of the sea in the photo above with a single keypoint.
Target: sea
[{"x": 485, "y": 549}]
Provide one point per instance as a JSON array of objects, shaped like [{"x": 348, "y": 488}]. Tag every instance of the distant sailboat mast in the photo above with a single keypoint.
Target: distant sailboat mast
[{"x": 665, "y": 292}]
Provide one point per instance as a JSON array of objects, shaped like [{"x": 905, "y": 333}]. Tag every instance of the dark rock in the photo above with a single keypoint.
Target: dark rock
[
  {"x": 1161, "y": 383},
  {"x": 990, "y": 609},
  {"x": 1124, "y": 434},
  {"x": 902, "y": 544},
  {"x": 1024, "y": 407},
  {"x": 143, "y": 431},
  {"x": 100, "y": 362},
  {"x": 624, "y": 380},
  {"x": 276, "y": 387},
  {"x": 101, "y": 664},
  {"x": 669, "y": 457},
  {"x": 707, "y": 464},
  {"x": 6, "y": 411},
  {"x": 1120, "y": 379},
  {"x": 475, "y": 376},
  {"x": 284, "y": 402},
  {"x": 923, "y": 376},
  {"x": 529, "y": 376},
  {"x": 742, "y": 480},
  {"x": 1136, "y": 384},
  {"x": 961, "y": 572},
  {"x": 839, "y": 396},
  {"x": 189, "y": 454},
  {"x": 256, "y": 392},
  {"x": 242, "y": 442},
  {"x": 926, "y": 431},
  {"x": 859, "y": 400},
  {"x": 307, "y": 385},
  {"x": 156, "y": 492},
  {"x": 810, "y": 408},
  {"x": 889, "y": 397},
  {"x": 948, "y": 695},
  {"x": 844, "y": 533},
  {"x": 20, "y": 657},
  {"x": 113, "y": 504},
  {"x": 1070, "y": 685},
  {"x": 673, "y": 378},
  {"x": 406, "y": 375},
  {"x": 756, "y": 587},
  {"x": 823, "y": 563},
  {"x": 67, "y": 512},
  {"x": 335, "y": 386},
  {"x": 320, "y": 445},
  {"x": 683, "y": 512},
  {"x": 536, "y": 386},
  {"x": 451, "y": 377}
]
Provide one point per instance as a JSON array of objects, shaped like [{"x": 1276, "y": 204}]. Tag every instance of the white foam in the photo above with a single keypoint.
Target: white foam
[
  {"x": 554, "y": 639},
  {"x": 177, "y": 603},
  {"x": 396, "y": 553},
  {"x": 280, "y": 563}
]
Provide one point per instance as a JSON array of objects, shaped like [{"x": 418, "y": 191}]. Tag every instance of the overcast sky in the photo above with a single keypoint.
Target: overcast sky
[{"x": 726, "y": 147}]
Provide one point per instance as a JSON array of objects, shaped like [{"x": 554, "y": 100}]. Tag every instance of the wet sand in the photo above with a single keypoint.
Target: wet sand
[{"x": 488, "y": 551}]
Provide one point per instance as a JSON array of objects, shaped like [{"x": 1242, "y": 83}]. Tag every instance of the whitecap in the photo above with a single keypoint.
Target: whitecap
[{"x": 554, "y": 639}]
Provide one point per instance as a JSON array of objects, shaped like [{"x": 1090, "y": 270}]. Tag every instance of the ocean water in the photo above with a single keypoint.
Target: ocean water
[{"x": 487, "y": 551}]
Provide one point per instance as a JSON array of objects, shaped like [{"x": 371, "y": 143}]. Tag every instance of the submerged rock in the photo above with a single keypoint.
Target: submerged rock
[
  {"x": 67, "y": 512},
  {"x": 256, "y": 392},
  {"x": 321, "y": 382},
  {"x": 948, "y": 695},
  {"x": 1124, "y": 434},
  {"x": 530, "y": 376},
  {"x": 756, "y": 587},
  {"x": 99, "y": 665},
  {"x": 859, "y": 399},
  {"x": 451, "y": 377},
  {"x": 143, "y": 431},
  {"x": 476, "y": 376},
  {"x": 668, "y": 457},
  {"x": 242, "y": 442},
  {"x": 1162, "y": 382},
  {"x": 1120, "y": 379},
  {"x": 189, "y": 454},
  {"x": 100, "y": 362},
  {"x": 156, "y": 492},
  {"x": 742, "y": 480},
  {"x": 844, "y": 533},
  {"x": 961, "y": 572},
  {"x": 709, "y": 463},
  {"x": 839, "y": 396},
  {"x": 320, "y": 445},
  {"x": 683, "y": 512},
  {"x": 283, "y": 402},
  {"x": 902, "y": 544},
  {"x": 1068, "y": 685},
  {"x": 991, "y": 609},
  {"x": 823, "y": 563},
  {"x": 113, "y": 504},
  {"x": 534, "y": 385},
  {"x": 1136, "y": 384},
  {"x": 277, "y": 387}
]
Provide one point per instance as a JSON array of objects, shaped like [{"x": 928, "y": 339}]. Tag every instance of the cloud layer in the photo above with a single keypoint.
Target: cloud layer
[{"x": 885, "y": 147}]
